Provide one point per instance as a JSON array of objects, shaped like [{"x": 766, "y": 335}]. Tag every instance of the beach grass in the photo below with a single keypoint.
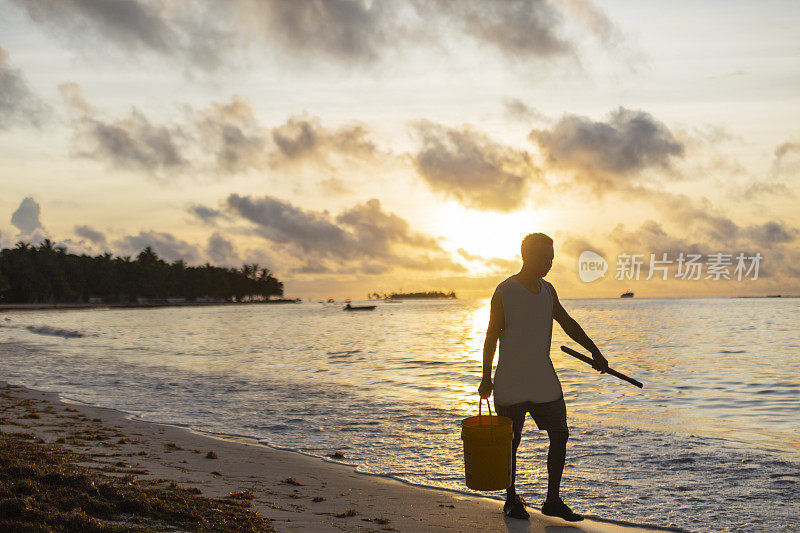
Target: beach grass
[{"x": 42, "y": 488}]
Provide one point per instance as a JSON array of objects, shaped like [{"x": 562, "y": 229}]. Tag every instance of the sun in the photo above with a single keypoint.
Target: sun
[{"x": 484, "y": 234}]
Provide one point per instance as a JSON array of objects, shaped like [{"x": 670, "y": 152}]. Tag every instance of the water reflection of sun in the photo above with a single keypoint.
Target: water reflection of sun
[
  {"x": 478, "y": 322},
  {"x": 475, "y": 322}
]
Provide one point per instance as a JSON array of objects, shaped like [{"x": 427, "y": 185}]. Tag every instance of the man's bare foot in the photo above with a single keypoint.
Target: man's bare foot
[
  {"x": 515, "y": 508},
  {"x": 559, "y": 508}
]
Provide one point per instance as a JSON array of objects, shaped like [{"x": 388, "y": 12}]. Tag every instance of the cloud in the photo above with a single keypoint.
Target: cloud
[
  {"x": 467, "y": 165},
  {"x": 231, "y": 132},
  {"x": 208, "y": 35},
  {"x": 302, "y": 138},
  {"x": 223, "y": 138},
  {"x": 376, "y": 228},
  {"x": 757, "y": 189},
  {"x": 773, "y": 240},
  {"x": 468, "y": 256},
  {"x": 596, "y": 23},
  {"x": 127, "y": 22},
  {"x": 333, "y": 187},
  {"x": 166, "y": 245},
  {"x": 92, "y": 235},
  {"x": 786, "y": 148},
  {"x": 491, "y": 263},
  {"x": 131, "y": 143},
  {"x": 193, "y": 33},
  {"x": 518, "y": 110},
  {"x": 26, "y": 217},
  {"x": 79, "y": 247},
  {"x": 611, "y": 152},
  {"x": 73, "y": 96},
  {"x": 284, "y": 223},
  {"x": 574, "y": 245},
  {"x": 210, "y": 138},
  {"x": 221, "y": 251},
  {"x": 208, "y": 215},
  {"x": 18, "y": 104},
  {"x": 498, "y": 263},
  {"x": 351, "y": 31},
  {"x": 651, "y": 237},
  {"x": 771, "y": 233},
  {"x": 364, "y": 238},
  {"x": 705, "y": 224},
  {"x": 695, "y": 215},
  {"x": 693, "y": 225},
  {"x": 516, "y": 28},
  {"x": 359, "y": 31},
  {"x": 787, "y": 158}
]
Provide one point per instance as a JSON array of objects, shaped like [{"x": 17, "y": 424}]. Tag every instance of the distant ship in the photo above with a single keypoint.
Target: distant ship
[{"x": 628, "y": 294}]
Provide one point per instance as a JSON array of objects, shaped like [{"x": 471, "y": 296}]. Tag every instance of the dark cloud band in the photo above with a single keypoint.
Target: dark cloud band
[{"x": 204, "y": 34}]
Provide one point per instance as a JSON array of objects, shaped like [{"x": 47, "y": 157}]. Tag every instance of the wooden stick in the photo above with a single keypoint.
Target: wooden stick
[{"x": 611, "y": 371}]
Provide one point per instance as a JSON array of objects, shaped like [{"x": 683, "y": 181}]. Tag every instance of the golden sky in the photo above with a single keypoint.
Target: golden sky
[{"x": 359, "y": 146}]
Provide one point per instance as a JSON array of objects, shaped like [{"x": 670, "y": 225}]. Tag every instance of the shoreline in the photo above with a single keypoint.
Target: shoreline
[
  {"x": 6, "y": 307},
  {"x": 296, "y": 491},
  {"x": 76, "y": 305}
]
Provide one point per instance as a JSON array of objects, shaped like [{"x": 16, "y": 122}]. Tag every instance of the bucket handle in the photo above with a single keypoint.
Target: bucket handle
[{"x": 489, "y": 408}]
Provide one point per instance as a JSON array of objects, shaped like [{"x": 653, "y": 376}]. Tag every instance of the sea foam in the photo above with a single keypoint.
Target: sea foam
[{"x": 56, "y": 332}]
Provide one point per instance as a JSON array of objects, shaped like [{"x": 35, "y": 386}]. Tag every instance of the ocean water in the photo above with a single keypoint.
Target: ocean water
[{"x": 712, "y": 443}]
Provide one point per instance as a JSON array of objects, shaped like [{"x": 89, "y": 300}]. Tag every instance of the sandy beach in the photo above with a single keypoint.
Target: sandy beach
[{"x": 296, "y": 492}]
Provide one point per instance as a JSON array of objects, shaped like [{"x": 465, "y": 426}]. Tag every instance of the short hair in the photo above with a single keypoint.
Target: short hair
[{"x": 534, "y": 244}]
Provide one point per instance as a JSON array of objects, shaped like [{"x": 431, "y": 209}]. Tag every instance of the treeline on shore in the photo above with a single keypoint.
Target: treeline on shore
[
  {"x": 412, "y": 295},
  {"x": 48, "y": 274}
]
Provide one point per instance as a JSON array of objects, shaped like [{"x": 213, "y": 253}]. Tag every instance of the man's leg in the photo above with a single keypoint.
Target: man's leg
[
  {"x": 556, "y": 456},
  {"x": 552, "y": 417},
  {"x": 517, "y": 414}
]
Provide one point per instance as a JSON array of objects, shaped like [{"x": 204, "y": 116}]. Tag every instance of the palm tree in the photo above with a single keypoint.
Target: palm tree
[{"x": 49, "y": 273}]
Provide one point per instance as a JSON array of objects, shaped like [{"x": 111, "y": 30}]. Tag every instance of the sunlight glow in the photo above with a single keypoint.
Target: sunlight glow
[{"x": 483, "y": 233}]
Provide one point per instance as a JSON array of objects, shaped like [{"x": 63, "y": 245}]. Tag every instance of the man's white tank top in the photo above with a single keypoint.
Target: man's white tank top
[{"x": 524, "y": 369}]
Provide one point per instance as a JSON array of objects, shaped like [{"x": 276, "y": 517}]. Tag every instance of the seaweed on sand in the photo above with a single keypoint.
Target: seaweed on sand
[{"x": 43, "y": 489}]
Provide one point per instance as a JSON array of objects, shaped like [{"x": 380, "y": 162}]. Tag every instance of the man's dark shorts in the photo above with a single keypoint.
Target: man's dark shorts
[{"x": 550, "y": 416}]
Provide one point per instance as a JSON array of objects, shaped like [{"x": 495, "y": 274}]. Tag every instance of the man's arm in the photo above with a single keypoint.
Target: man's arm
[
  {"x": 497, "y": 322},
  {"x": 576, "y": 333}
]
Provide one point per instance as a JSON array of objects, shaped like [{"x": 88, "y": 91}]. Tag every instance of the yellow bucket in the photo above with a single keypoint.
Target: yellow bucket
[{"x": 487, "y": 450}]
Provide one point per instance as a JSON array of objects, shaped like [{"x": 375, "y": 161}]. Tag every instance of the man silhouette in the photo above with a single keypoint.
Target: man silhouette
[{"x": 522, "y": 311}]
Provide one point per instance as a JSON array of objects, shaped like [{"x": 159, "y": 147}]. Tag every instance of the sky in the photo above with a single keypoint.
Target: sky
[{"x": 376, "y": 146}]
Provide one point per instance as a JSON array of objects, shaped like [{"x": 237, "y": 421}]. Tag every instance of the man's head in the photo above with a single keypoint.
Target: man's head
[{"x": 537, "y": 253}]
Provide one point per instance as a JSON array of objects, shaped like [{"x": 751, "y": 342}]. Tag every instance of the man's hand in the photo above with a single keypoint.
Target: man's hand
[
  {"x": 485, "y": 388},
  {"x": 600, "y": 362}
]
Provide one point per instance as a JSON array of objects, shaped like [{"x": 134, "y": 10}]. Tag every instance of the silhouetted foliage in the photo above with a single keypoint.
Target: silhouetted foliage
[
  {"x": 48, "y": 274},
  {"x": 412, "y": 295}
]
